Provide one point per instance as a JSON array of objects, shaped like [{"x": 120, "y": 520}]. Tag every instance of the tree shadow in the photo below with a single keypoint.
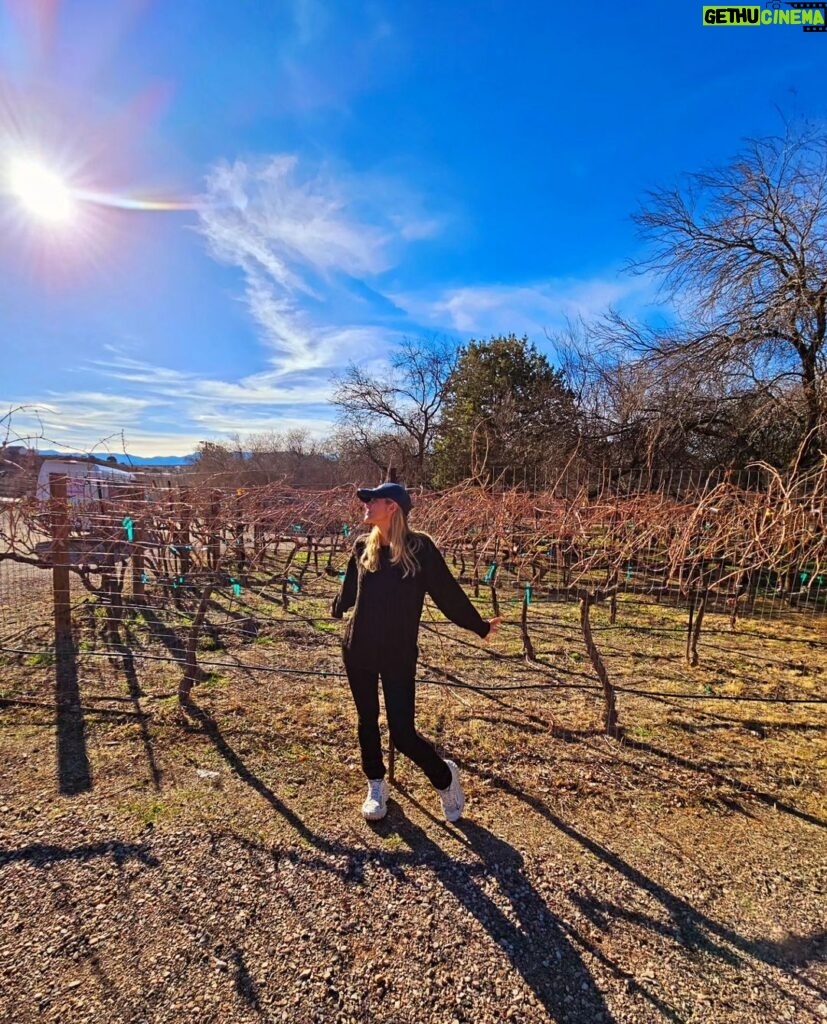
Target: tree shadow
[
  {"x": 530, "y": 726},
  {"x": 542, "y": 948},
  {"x": 797, "y": 950},
  {"x": 209, "y": 727},
  {"x": 64, "y": 901},
  {"x": 494, "y": 697},
  {"x": 73, "y": 771},
  {"x": 760, "y": 727},
  {"x": 539, "y": 947},
  {"x": 680, "y": 706},
  {"x": 161, "y": 632},
  {"x": 765, "y": 798},
  {"x": 693, "y": 929},
  {"x": 135, "y": 694}
]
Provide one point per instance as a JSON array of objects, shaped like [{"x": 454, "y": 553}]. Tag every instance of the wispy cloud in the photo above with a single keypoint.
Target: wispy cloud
[
  {"x": 162, "y": 410},
  {"x": 155, "y": 380},
  {"x": 225, "y": 423},
  {"x": 310, "y": 241},
  {"x": 168, "y": 421},
  {"x": 483, "y": 310},
  {"x": 280, "y": 217},
  {"x": 158, "y": 410},
  {"x": 271, "y": 390}
]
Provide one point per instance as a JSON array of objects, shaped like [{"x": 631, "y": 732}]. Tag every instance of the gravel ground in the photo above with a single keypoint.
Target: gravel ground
[{"x": 408, "y": 920}]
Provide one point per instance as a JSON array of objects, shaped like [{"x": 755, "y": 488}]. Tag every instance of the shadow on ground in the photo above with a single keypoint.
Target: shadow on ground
[
  {"x": 687, "y": 925},
  {"x": 546, "y": 950},
  {"x": 73, "y": 773},
  {"x": 539, "y": 946},
  {"x": 45, "y": 854}
]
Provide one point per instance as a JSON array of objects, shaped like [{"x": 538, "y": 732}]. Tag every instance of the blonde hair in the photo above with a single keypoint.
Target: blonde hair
[{"x": 404, "y": 545}]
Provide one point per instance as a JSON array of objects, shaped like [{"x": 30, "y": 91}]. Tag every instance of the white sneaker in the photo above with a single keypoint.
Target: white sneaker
[
  {"x": 375, "y": 806},
  {"x": 453, "y": 799}
]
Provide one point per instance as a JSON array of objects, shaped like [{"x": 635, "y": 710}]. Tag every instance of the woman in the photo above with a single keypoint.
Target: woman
[{"x": 387, "y": 577}]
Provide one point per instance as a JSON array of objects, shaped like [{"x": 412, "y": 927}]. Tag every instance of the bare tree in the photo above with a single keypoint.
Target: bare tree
[
  {"x": 399, "y": 408},
  {"x": 366, "y": 455},
  {"x": 738, "y": 373},
  {"x": 744, "y": 251},
  {"x": 294, "y": 456},
  {"x": 641, "y": 411}
]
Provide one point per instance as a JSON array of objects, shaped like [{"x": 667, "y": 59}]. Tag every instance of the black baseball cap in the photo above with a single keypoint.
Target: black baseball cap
[{"x": 393, "y": 492}]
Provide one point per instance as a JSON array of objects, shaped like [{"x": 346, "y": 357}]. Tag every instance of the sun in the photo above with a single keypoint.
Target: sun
[{"x": 41, "y": 192}]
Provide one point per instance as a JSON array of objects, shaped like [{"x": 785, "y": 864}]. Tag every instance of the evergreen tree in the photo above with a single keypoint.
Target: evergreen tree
[{"x": 506, "y": 409}]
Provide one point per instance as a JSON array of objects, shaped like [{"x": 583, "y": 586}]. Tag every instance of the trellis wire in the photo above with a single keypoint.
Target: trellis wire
[
  {"x": 451, "y": 683},
  {"x": 181, "y": 553}
]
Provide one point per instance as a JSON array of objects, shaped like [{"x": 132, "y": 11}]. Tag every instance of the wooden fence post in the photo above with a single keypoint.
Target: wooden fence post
[
  {"x": 214, "y": 542},
  {"x": 59, "y": 522},
  {"x": 138, "y": 539}
]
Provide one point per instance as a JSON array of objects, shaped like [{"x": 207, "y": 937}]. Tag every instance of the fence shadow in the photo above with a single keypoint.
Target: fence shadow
[{"x": 73, "y": 773}]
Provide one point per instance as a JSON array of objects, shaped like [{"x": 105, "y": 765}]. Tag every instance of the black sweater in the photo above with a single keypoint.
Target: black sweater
[{"x": 383, "y": 630}]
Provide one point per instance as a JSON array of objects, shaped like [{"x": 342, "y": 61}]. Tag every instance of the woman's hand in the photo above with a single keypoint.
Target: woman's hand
[{"x": 494, "y": 626}]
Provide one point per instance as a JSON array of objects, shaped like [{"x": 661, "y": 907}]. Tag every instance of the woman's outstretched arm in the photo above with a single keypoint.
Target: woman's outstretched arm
[{"x": 448, "y": 595}]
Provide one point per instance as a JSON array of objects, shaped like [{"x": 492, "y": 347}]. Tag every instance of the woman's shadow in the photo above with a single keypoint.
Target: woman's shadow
[{"x": 537, "y": 943}]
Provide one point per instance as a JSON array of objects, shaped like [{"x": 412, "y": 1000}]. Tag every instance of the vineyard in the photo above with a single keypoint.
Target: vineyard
[
  {"x": 642, "y": 745},
  {"x": 198, "y": 566}
]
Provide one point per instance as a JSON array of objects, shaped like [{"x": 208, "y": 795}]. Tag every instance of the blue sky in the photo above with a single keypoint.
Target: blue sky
[{"x": 348, "y": 174}]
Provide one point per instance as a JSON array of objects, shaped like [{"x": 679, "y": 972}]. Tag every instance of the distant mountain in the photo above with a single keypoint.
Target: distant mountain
[{"x": 127, "y": 460}]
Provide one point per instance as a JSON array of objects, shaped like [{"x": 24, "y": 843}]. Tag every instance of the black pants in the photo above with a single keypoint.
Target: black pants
[{"x": 398, "y": 686}]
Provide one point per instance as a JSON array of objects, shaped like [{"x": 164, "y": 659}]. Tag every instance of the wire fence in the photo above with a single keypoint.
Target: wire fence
[{"x": 177, "y": 574}]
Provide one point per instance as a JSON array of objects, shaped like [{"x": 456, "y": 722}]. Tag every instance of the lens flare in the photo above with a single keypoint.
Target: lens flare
[
  {"x": 41, "y": 192},
  {"x": 135, "y": 203}
]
